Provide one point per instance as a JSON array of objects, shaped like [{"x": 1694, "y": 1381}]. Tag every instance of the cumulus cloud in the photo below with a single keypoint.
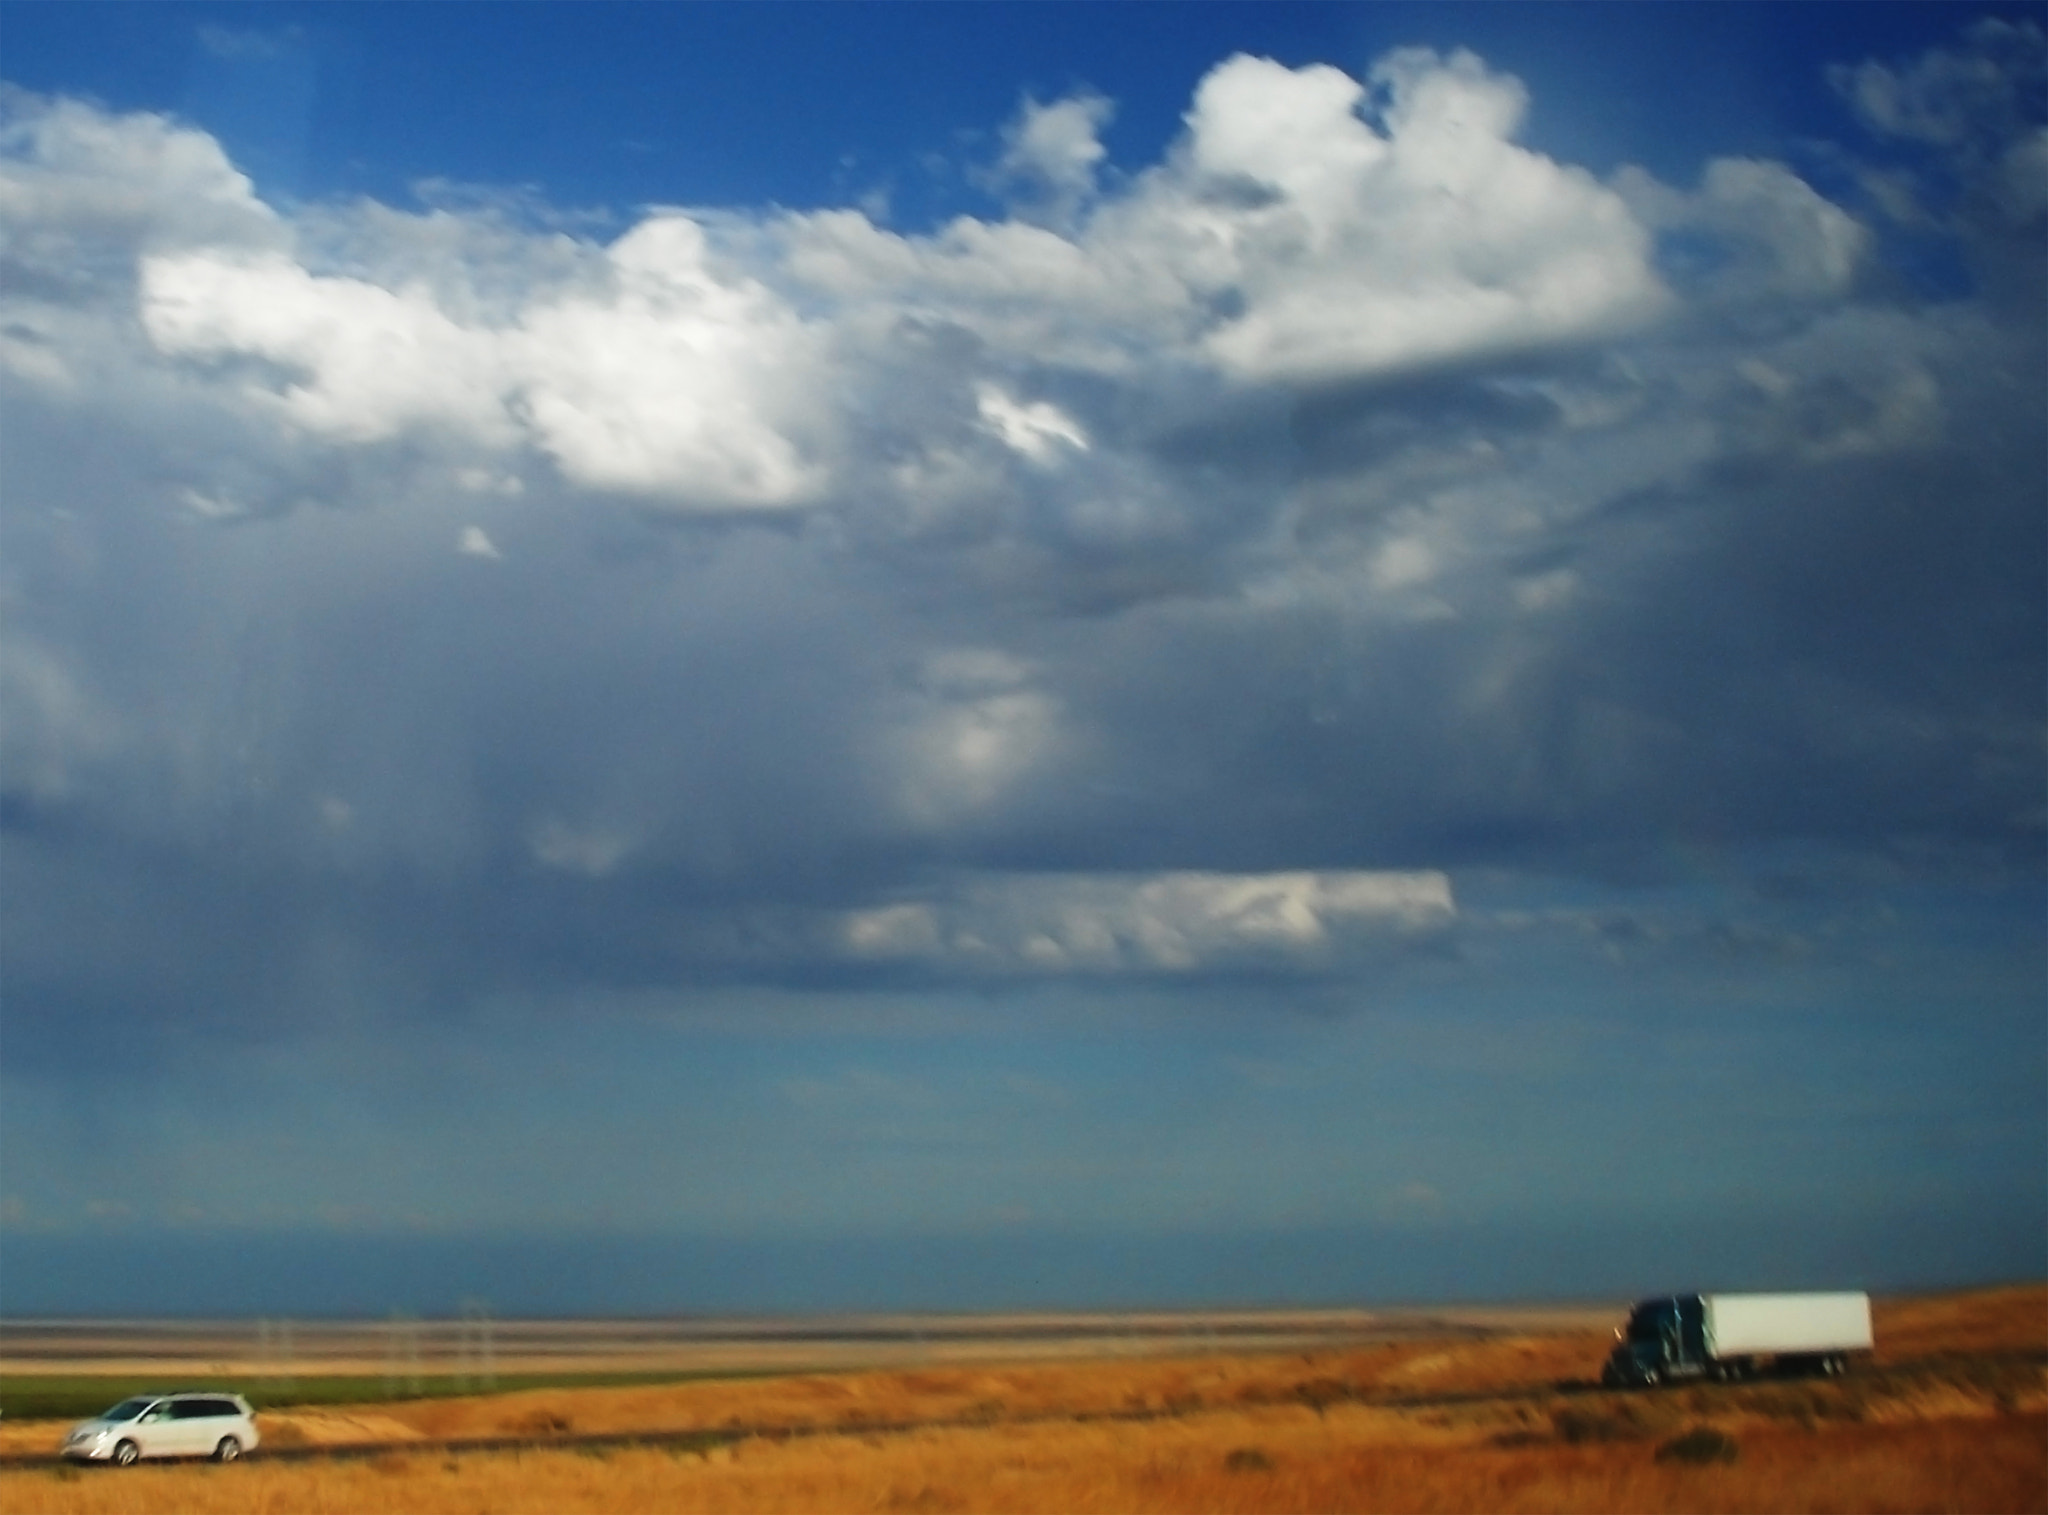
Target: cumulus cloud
[
  {"x": 75, "y": 175},
  {"x": 663, "y": 383},
  {"x": 1432, "y": 238},
  {"x": 355, "y": 361},
  {"x": 1767, "y": 234},
  {"x": 1051, "y": 154},
  {"x": 1970, "y": 115},
  {"x": 1291, "y": 238},
  {"x": 671, "y": 383},
  {"x": 1988, "y": 86}
]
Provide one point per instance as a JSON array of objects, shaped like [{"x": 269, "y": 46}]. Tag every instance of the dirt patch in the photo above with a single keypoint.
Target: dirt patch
[{"x": 331, "y": 1428}]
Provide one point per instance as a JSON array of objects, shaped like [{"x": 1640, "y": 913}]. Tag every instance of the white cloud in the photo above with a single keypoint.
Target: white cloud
[
  {"x": 362, "y": 363},
  {"x": 1404, "y": 562},
  {"x": 1365, "y": 252},
  {"x": 1949, "y": 95},
  {"x": 667, "y": 382},
  {"x": 893, "y": 931},
  {"x": 69, "y": 171},
  {"x": 1053, "y": 152},
  {"x": 1038, "y": 430},
  {"x": 794, "y": 361},
  {"x": 1091, "y": 301},
  {"x": 1774, "y": 237},
  {"x": 674, "y": 381},
  {"x": 974, "y": 730},
  {"x": 1289, "y": 239},
  {"x": 1171, "y": 922}
]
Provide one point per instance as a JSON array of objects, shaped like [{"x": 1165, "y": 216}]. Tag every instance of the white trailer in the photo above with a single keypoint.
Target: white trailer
[{"x": 1786, "y": 1325}]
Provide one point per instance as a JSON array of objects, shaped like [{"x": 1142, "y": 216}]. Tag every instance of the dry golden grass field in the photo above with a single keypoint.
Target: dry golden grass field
[{"x": 1952, "y": 1415}]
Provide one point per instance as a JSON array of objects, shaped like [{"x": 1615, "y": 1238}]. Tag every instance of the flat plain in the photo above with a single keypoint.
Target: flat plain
[{"x": 1423, "y": 1411}]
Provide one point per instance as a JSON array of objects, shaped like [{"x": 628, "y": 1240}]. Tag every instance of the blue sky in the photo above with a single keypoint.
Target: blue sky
[{"x": 692, "y": 657}]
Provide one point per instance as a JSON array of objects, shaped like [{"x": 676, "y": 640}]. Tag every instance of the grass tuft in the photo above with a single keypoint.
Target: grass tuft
[
  {"x": 538, "y": 1423},
  {"x": 1699, "y": 1446}
]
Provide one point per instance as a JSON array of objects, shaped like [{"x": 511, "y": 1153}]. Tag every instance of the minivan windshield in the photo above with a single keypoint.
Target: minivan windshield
[{"x": 128, "y": 1409}]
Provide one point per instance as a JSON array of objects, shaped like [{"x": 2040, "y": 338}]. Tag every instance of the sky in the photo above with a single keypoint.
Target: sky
[{"x": 781, "y": 658}]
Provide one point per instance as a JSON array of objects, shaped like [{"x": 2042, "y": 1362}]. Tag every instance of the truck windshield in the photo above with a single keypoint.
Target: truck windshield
[{"x": 1650, "y": 1322}]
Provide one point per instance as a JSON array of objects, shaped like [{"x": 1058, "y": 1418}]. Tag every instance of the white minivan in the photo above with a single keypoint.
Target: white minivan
[{"x": 220, "y": 1426}]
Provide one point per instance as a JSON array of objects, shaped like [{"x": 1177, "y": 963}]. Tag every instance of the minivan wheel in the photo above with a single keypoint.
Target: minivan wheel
[
  {"x": 228, "y": 1450},
  {"x": 125, "y": 1452}
]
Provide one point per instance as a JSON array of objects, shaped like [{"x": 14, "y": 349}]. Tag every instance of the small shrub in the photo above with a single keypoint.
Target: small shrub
[
  {"x": 538, "y": 1423},
  {"x": 1577, "y": 1427},
  {"x": 1320, "y": 1393},
  {"x": 1701, "y": 1445},
  {"x": 1247, "y": 1460}
]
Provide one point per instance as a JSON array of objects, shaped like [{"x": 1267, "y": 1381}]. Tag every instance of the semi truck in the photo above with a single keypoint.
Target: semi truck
[{"x": 1730, "y": 1336}]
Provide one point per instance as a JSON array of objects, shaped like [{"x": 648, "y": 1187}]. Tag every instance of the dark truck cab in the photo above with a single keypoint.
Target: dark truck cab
[{"x": 1663, "y": 1339}]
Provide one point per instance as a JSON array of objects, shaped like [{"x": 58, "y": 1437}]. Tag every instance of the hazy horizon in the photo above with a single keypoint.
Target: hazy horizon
[{"x": 173, "y": 1274}]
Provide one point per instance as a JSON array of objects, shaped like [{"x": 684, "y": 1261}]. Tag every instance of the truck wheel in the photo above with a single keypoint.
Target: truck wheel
[{"x": 1652, "y": 1377}]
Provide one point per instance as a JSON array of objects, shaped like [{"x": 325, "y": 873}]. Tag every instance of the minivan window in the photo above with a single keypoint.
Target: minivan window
[{"x": 128, "y": 1409}]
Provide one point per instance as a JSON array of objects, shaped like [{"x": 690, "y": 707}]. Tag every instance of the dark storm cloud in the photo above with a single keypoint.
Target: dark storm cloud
[{"x": 379, "y": 640}]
